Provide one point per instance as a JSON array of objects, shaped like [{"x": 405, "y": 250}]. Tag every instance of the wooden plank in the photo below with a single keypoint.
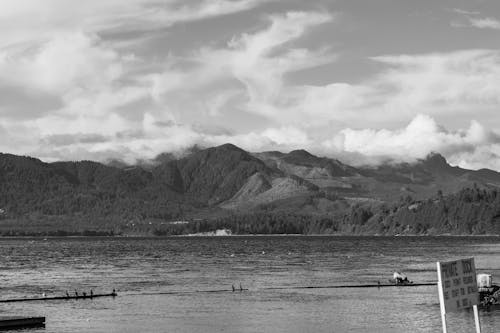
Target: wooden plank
[
  {"x": 10, "y": 322},
  {"x": 476, "y": 319}
]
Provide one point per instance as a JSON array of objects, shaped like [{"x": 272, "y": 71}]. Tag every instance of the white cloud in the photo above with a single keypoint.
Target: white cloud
[
  {"x": 416, "y": 140},
  {"x": 61, "y": 53},
  {"x": 79, "y": 70},
  {"x": 24, "y": 21},
  {"x": 470, "y": 19},
  {"x": 258, "y": 61},
  {"x": 70, "y": 61},
  {"x": 55, "y": 50},
  {"x": 485, "y": 23},
  {"x": 155, "y": 137},
  {"x": 459, "y": 83},
  {"x": 287, "y": 136},
  {"x": 487, "y": 156},
  {"x": 465, "y": 12},
  {"x": 218, "y": 101},
  {"x": 256, "y": 65},
  {"x": 179, "y": 12},
  {"x": 457, "y": 78},
  {"x": 419, "y": 138}
]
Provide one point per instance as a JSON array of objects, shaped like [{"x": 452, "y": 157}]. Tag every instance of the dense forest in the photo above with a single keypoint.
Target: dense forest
[
  {"x": 227, "y": 188},
  {"x": 471, "y": 211}
]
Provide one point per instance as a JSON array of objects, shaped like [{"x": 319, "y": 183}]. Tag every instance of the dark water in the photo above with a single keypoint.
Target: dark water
[{"x": 140, "y": 267}]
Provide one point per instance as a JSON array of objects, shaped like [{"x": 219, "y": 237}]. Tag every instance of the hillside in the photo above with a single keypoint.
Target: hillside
[
  {"x": 387, "y": 182},
  {"x": 469, "y": 211},
  {"x": 226, "y": 185},
  {"x": 321, "y": 171},
  {"x": 216, "y": 174}
]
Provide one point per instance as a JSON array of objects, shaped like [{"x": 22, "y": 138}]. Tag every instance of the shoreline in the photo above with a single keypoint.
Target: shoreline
[{"x": 254, "y": 235}]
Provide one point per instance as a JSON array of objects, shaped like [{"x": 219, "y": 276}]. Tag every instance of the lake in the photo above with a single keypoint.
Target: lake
[{"x": 157, "y": 279}]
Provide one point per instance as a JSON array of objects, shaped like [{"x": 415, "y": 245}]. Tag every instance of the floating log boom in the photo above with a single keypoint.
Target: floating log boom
[
  {"x": 382, "y": 285},
  {"x": 57, "y": 298}
]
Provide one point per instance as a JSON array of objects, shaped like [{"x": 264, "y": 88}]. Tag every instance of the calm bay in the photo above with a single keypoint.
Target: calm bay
[{"x": 158, "y": 279}]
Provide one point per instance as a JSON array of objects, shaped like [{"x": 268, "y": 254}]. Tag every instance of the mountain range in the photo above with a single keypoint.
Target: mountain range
[{"x": 228, "y": 187}]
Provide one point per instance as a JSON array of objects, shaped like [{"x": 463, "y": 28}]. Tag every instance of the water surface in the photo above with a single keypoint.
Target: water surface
[{"x": 141, "y": 269}]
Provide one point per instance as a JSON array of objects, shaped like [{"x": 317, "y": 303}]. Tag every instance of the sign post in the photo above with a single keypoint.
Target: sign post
[
  {"x": 457, "y": 288},
  {"x": 441, "y": 297}
]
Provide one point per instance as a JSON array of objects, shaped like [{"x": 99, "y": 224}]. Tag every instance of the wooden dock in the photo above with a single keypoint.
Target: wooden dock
[
  {"x": 49, "y": 298},
  {"x": 17, "y": 322}
]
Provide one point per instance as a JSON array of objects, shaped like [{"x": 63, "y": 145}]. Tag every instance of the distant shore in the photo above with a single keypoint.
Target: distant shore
[{"x": 204, "y": 235}]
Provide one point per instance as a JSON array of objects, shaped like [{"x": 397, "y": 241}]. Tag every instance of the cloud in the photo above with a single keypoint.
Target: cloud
[
  {"x": 459, "y": 82},
  {"x": 155, "y": 138},
  {"x": 177, "y": 11},
  {"x": 470, "y": 19},
  {"x": 250, "y": 74},
  {"x": 487, "y": 156},
  {"x": 287, "y": 136},
  {"x": 465, "y": 12},
  {"x": 252, "y": 59},
  {"x": 485, "y": 23},
  {"x": 18, "y": 103},
  {"x": 419, "y": 138},
  {"x": 60, "y": 59},
  {"x": 470, "y": 76},
  {"x": 68, "y": 61},
  {"x": 256, "y": 62},
  {"x": 75, "y": 83},
  {"x": 27, "y": 21},
  {"x": 71, "y": 139},
  {"x": 84, "y": 80}
]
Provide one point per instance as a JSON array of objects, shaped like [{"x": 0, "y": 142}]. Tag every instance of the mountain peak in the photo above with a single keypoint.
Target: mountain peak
[
  {"x": 229, "y": 147},
  {"x": 301, "y": 153},
  {"x": 435, "y": 161}
]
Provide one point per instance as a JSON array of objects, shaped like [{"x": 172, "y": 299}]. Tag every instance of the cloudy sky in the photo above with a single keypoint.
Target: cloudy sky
[{"x": 355, "y": 79}]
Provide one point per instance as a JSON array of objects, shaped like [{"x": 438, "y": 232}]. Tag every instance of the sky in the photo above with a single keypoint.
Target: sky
[{"x": 362, "y": 81}]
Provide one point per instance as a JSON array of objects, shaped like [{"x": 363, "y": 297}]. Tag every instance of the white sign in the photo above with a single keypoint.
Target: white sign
[{"x": 457, "y": 284}]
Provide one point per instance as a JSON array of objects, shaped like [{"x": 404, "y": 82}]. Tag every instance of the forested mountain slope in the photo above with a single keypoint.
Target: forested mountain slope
[{"x": 225, "y": 184}]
